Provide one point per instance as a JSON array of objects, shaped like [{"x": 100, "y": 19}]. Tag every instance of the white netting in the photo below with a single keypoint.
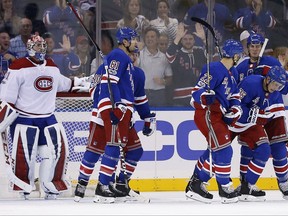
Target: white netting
[{"x": 74, "y": 113}]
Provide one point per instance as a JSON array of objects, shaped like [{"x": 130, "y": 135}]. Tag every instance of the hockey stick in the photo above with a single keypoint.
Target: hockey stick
[
  {"x": 210, "y": 28},
  {"x": 262, "y": 50},
  {"x": 10, "y": 174},
  {"x": 115, "y": 131}
]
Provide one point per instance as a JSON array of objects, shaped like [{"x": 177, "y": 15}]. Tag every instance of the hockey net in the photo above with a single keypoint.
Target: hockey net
[{"x": 73, "y": 110}]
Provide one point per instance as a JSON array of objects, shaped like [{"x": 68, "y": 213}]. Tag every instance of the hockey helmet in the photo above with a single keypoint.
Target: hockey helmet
[
  {"x": 125, "y": 33},
  {"x": 232, "y": 47},
  {"x": 277, "y": 74},
  {"x": 37, "y": 47},
  {"x": 255, "y": 39}
]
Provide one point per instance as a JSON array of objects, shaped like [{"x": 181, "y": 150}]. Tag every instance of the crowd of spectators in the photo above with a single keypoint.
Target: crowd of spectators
[{"x": 172, "y": 48}]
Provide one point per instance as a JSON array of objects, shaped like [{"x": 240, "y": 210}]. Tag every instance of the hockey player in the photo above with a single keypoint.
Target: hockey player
[
  {"x": 105, "y": 191},
  {"x": 30, "y": 87},
  {"x": 216, "y": 101},
  {"x": 276, "y": 128},
  {"x": 97, "y": 141},
  {"x": 259, "y": 102}
]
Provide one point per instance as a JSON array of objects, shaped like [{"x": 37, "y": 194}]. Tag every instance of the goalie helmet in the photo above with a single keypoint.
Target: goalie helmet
[
  {"x": 277, "y": 74},
  {"x": 255, "y": 39},
  {"x": 37, "y": 47},
  {"x": 126, "y": 33},
  {"x": 232, "y": 47}
]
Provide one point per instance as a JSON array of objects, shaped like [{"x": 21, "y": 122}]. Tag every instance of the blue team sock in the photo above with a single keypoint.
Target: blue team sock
[
  {"x": 109, "y": 161},
  {"x": 260, "y": 157},
  {"x": 88, "y": 161},
  {"x": 279, "y": 154},
  {"x": 246, "y": 157}
]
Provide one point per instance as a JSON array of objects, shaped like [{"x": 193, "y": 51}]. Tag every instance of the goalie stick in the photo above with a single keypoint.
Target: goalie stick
[{"x": 10, "y": 174}]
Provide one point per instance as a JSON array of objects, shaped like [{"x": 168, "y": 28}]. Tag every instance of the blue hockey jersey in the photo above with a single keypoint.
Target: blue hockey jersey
[{"x": 222, "y": 81}]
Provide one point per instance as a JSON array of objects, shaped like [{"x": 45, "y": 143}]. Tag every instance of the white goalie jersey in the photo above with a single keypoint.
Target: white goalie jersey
[{"x": 32, "y": 88}]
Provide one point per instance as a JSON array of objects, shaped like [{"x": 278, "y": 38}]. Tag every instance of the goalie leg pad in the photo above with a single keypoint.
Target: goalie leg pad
[
  {"x": 24, "y": 152},
  {"x": 54, "y": 162},
  {"x": 7, "y": 115}
]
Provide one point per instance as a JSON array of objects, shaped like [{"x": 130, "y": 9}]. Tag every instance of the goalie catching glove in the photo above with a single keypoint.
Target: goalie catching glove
[
  {"x": 118, "y": 113},
  {"x": 233, "y": 115},
  {"x": 207, "y": 98},
  {"x": 81, "y": 84},
  {"x": 149, "y": 124}
]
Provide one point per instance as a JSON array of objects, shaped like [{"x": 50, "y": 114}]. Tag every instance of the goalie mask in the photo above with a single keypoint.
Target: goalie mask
[{"x": 36, "y": 47}]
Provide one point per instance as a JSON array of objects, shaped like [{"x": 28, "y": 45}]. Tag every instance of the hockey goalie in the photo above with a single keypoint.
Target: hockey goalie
[{"x": 28, "y": 95}]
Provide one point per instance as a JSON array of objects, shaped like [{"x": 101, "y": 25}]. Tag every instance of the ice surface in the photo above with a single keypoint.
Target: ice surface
[{"x": 162, "y": 203}]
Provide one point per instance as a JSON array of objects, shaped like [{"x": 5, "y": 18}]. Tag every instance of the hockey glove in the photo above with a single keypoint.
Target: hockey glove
[
  {"x": 260, "y": 117},
  {"x": 233, "y": 115},
  {"x": 118, "y": 113},
  {"x": 207, "y": 98},
  {"x": 81, "y": 84},
  {"x": 149, "y": 124}
]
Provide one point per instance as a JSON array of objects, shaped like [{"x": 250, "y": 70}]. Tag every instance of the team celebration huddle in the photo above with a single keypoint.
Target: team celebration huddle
[{"x": 219, "y": 63}]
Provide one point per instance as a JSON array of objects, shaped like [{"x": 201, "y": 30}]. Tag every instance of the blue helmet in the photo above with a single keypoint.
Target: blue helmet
[
  {"x": 277, "y": 74},
  {"x": 232, "y": 47},
  {"x": 125, "y": 33},
  {"x": 255, "y": 39}
]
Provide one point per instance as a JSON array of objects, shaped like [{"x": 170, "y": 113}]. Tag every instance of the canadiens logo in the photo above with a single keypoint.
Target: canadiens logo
[{"x": 44, "y": 83}]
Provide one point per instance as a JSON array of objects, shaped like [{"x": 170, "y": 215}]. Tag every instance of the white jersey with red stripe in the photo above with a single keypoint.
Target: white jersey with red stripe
[{"x": 32, "y": 87}]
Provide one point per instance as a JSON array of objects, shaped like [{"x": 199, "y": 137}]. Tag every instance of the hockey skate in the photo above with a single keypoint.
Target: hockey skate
[
  {"x": 103, "y": 194},
  {"x": 227, "y": 193},
  {"x": 24, "y": 195},
  {"x": 250, "y": 193},
  {"x": 130, "y": 194},
  {"x": 80, "y": 191},
  {"x": 51, "y": 196},
  {"x": 283, "y": 186},
  {"x": 196, "y": 190}
]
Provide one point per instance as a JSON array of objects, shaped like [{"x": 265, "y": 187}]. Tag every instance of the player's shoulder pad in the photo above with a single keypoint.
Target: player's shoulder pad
[
  {"x": 20, "y": 63},
  {"x": 50, "y": 62}
]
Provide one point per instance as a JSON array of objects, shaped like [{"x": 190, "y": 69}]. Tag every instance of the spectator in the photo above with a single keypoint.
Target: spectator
[
  {"x": 9, "y": 20},
  {"x": 222, "y": 18},
  {"x": 281, "y": 53},
  {"x": 179, "y": 8},
  {"x": 60, "y": 20},
  {"x": 133, "y": 18},
  {"x": 82, "y": 49},
  {"x": 67, "y": 62},
  {"x": 186, "y": 61},
  {"x": 31, "y": 12},
  {"x": 18, "y": 43},
  {"x": 157, "y": 70},
  {"x": 164, "y": 23},
  {"x": 6, "y": 57},
  {"x": 163, "y": 42},
  {"x": 254, "y": 17}
]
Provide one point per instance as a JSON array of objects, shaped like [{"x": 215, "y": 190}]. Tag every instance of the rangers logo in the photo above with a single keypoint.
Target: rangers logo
[{"x": 44, "y": 83}]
